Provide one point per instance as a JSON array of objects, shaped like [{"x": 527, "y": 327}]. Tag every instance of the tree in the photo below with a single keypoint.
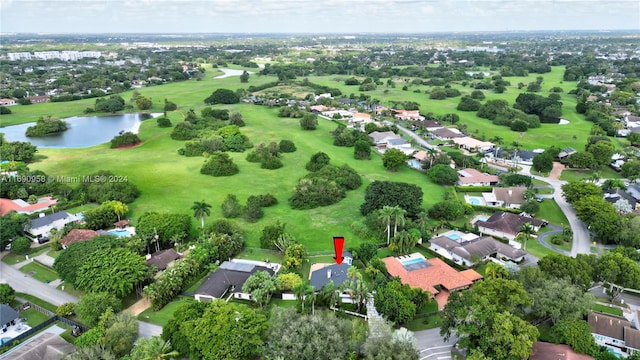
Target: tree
[
  {"x": 311, "y": 337},
  {"x": 289, "y": 281},
  {"x": 165, "y": 229},
  {"x": 200, "y": 211},
  {"x": 389, "y": 193},
  {"x": 95, "y": 352},
  {"x": 631, "y": 169},
  {"x": 530, "y": 207},
  {"x": 231, "y": 207},
  {"x": 318, "y": 161},
  {"x": 443, "y": 174},
  {"x": 398, "y": 218},
  {"x": 543, "y": 162},
  {"x": 144, "y": 103},
  {"x": 447, "y": 210},
  {"x": 557, "y": 299},
  {"x": 121, "y": 331},
  {"x": 362, "y": 150},
  {"x": 575, "y": 333},
  {"x": 169, "y": 106},
  {"x": 261, "y": 285},
  {"x": 393, "y": 159},
  {"x": 222, "y": 96},
  {"x": 235, "y": 118},
  {"x": 125, "y": 139},
  {"x": 244, "y": 78},
  {"x": 219, "y": 164},
  {"x": 602, "y": 152},
  {"x": 118, "y": 208},
  {"x": 7, "y": 294},
  {"x": 294, "y": 256},
  {"x": 154, "y": 348},
  {"x": 581, "y": 160},
  {"x": 526, "y": 230},
  {"x": 93, "y": 305},
  {"x": 21, "y": 246},
  {"x": 496, "y": 271},
  {"x": 303, "y": 292},
  {"x": 216, "y": 330},
  {"x": 575, "y": 190},
  {"x": 115, "y": 271},
  {"x": 46, "y": 126},
  {"x": 394, "y": 302},
  {"x": 390, "y": 344},
  {"x": 309, "y": 121},
  {"x": 385, "y": 214}
]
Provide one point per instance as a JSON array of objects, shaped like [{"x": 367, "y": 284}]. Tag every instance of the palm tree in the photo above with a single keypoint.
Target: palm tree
[
  {"x": 398, "y": 217},
  {"x": 527, "y": 230},
  {"x": 201, "y": 210},
  {"x": 119, "y": 208},
  {"x": 385, "y": 215},
  {"x": 495, "y": 271},
  {"x": 303, "y": 292},
  {"x": 153, "y": 348},
  {"x": 432, "y": 152},
  {"x": 422, "y": 221},
  {"x": 498, "y": 140}
]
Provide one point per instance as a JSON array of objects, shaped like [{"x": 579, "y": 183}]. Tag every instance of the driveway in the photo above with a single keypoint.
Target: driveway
[
  {"x": 23, "y": 283},
  {"x": 431, "y": 345},
  {"x": 542, "y": 239}
]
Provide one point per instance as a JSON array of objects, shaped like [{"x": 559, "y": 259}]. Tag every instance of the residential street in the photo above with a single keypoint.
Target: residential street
[
  {"x": 431, "y": 345},
  {"x": 23, "y": 283}
]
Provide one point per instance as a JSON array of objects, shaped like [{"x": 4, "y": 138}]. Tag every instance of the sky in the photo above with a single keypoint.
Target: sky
[{"x": 314, "y": 16}]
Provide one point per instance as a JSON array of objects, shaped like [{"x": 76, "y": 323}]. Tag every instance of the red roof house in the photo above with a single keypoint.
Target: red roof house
[
  {"x": 22, "y": 207},
  {"x": 76, "y": 235}
]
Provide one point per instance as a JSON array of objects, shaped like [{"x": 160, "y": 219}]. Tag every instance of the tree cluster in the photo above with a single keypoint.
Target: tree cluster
[
  {"x": 125, "y": 139},
  {"x": 389, "y": 193},
  {"x": 46, "y": 126},
  {"x": 101, "y": 191},
  {"x": 324, "y": 185}
]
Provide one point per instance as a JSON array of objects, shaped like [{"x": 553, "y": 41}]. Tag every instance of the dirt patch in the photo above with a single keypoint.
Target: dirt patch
[
  {"x": 139, "y": 306},
  {"x": 128, "y": 146},
  {"x": 556, "y": 171}
]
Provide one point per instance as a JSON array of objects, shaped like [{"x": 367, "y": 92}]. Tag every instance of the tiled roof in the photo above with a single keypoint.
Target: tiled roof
[
  {"x": 469, "y": 176},
  {"x": 610, "y": 326},
  {"x": 507, "y": 222},
  {"x": 439, "y": 273},
  {"x": 7, "y": 205},
  {"x": 161, "y": 259},
  {"x": 510, "y": 195},
  {"x": 549, "y": 351},
  {"x": 632, "y": 337},
  {"x": 76, "y": 235}
]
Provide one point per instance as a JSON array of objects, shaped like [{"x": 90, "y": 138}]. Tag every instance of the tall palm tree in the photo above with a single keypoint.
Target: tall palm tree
[
  {"x": 119, "y": 208},
  {"x": 398, "y": 218},
  {"x": 422, "y": 221},
  {"x": 303, "y": 292},
  {"x": 154, "y": 348},
  {"x": 432, "y": 152},
  {"x": 496, "y": 271},
  {"x": 201, "y": 210},
  {"x": 385, "y": 215},
  {"x": 527, "y": 230}
]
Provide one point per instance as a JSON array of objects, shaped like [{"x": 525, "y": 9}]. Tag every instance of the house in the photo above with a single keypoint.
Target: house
[
  {"x": 22, "y": 207},
  {"x": 163, "y": 259},
  {"x": 470, "y": 248},
  {"x": 381, "y": 137},
  {"x": 506, "y": 225},
  {"x": 41, "y": 226},
  {"x": 331, "y": 272},
  {"x": 399, "y": 144},
  {"x": 47, "y": 346},
  {"x": 615, "y": 195},
  {"x": 317, "y": 109},
  {"x": 446, "y": 134},
  {"x": 634, "y": 191},
  {"x": 361, "y": 118},
  {"x": 77, "y": 235},
  {"x": 614, "y": 332},
  {"x": 473, "y": 177},
  {"x": 430, "y": 274},
  {"x": 548, "y": 351},
  {"x": 473, "y": 145},
  {"x": 38, "y": 99},
  {"x": 429, "y": 125},
  {"x": 566, "y": 152},
  {"x": 8, "y": 316},
  {"x": 510, "y": 197},
  {"x": 7, "y": 102},
  {"x": 229, "y": 278},
  {"x": 408, "y": 115}
]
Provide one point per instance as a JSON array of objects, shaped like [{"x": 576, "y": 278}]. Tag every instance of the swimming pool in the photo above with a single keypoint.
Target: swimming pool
[
  {"x": 412, "y": 261},
  {"x": 120, "y": 233},
  {"x": 415, "y": 164},
  {"x": 454, "y": 236},
  {"x": 483, "y": 218},
  {"x": 474, "y": 201},
  {"x": 4, "y": 340}
]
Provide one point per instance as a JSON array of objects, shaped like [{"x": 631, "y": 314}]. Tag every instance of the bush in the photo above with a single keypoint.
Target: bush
[
  {"x": 231, "y": 207},
  {"x": 443, "y": 174},
  {"x": 222, "y": 96},
  {"x": 318, "y": 160},
  {"x": 163, "y": 122},
  {"x": 21, "y": 246},
  {"x": 311, "y": 193},
  {"x": 219, "y": 164},
  {"x": 267, "y": 200},
  {"x": 169, "y": 106},
  {"x": 47, "y": 126},
  {"x": 66, "y": 309},
  {"x": 253, "y": 210},
  {"x": 125, "y": 139},
  {"x": 447, "y": 210},
  {"x": 184, "y": 131},
  {"x": 309, "y": 121},
  {"x": 287, "y": 146},
  {"x": 222, "y": 227},
  {"x": 4, "y": 110},
  {"x": 271, "y": 163}
]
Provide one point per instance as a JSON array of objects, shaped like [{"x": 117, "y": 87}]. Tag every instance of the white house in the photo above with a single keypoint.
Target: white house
[
  {"x": 616, "y": 333},
  {"x": 473, "y": 177},
  {"x": 42, "y": 226}
]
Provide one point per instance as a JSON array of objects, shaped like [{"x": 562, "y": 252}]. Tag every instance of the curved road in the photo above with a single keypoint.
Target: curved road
[
  {"x": 581, "y": 239},
  {"x": 24, "y": 283}
]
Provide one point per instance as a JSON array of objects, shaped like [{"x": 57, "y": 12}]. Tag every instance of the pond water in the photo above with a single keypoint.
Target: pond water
[{"x": 82, "y": 132}]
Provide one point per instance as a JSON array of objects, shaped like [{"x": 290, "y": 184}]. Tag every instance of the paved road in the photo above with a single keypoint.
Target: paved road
[
  {"x": 23, "y": 283},
  {"x": 431, "y": 345},
  {"x": 422, "y": 142},
  {"x": 542, "y": 239}
]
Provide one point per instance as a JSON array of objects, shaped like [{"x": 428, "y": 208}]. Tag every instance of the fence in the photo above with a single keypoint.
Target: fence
[{"x": 52, "y": 318}]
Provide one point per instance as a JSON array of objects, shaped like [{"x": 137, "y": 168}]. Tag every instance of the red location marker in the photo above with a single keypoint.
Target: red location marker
[{"x": 338, "y": 245}]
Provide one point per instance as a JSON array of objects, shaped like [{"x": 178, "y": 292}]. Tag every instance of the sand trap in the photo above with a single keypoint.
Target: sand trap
[
  {"x": 230, "y": 72},
  {"x": 563, "y": 122}
]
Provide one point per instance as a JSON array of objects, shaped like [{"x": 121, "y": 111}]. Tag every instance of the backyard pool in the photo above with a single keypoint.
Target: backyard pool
[
  {"x": 120, "y": 233},
  {"x": 412, "y": 261},
  {"x": 474, "y": 201},
  {"x": 454, "y": 236},
  {"x": 415, "y": 164},
  {"x": 4, "y": 340}
]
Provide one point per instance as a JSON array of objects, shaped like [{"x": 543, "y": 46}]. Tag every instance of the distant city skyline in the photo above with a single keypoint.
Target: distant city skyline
[{"x": 314, "y": 16}]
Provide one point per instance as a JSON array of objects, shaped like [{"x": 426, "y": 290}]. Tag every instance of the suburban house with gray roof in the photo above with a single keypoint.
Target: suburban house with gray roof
[
  {"x": 506, "y": 225},
  {"x": 42, "y": 226},
  {"x": 380, "y": 138},
  {"x": 509, "y": 197},
  {"x": 47, "y": 346},
  {"x": 229, "y": 278},
  {"x": 8, "y": 316},
  {"x": 468, "y": 252},
  {"x": 334, "y": 272},
  {"x": 615, "y": 195},
  {"x": 616, "y": 333}
]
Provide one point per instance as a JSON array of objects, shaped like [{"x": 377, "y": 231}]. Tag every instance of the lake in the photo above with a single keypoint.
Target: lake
[{"x": 83, "y": 131}]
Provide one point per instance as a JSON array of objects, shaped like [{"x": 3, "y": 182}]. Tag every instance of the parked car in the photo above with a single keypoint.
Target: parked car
[{"x": 540, "y": 199}]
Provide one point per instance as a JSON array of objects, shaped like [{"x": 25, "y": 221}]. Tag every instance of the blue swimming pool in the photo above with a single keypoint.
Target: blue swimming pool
[
  {"x": 483, "y": 218},
  {"x": 412, "y": 261},
  {"x": 454, "y": 236},
  {"x": 415, "y": 164},
  {"x": 474, "y": 201},
  {"x": 4, "y": 340},
  {"x": 120, "y": 233}
]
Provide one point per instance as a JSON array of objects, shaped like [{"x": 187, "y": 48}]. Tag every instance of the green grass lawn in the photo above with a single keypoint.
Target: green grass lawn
[
  {"x": 37, "y": 301},
  {"x": 170, "y": 182},
  {"x": 13, "y": 258},
  {"x": 259, "y": 254},
  {"x": 607, "y": 310},
  {"x": 33, "y": 316},
  {"x": 424, "y": 323},
  {"x": 605, "y": 173},
  {"x": 81, "y": 208},
  {"x": 550, "y": 211},
  {"x": 41, "y": 272},
  {"x": 69, "y": 289},
  {"x": 536, "y": 249},
  {"x": 165, "y": 314}
]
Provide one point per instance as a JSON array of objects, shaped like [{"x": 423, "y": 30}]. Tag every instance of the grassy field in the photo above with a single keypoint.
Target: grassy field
[
  {"x": 605, "y": 173},
  {"x": 164, "y": 315},
  {"x": 550, "y": 211},
  {"x": 170, "y": 182},
  {"x": 33, "y": 316},
  {"x": 40, "y": 272}
]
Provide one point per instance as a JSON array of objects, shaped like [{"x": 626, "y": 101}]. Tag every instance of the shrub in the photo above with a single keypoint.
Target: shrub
[
  {"x": 271, "y": 163},
  {"x": 125, "y": 139},
  {"x": 309, "y": 121},
  {"x": 267, "y": 200},
  {"x": 447, "y": 210},
  {"x": 311, "y": 193},
  {"x": 66, "y": 309},
  {"x": 169, "y": 106},
  {"x": 21, "y": 246},
  {"x": 184, "y": 131},
  {"x": 219, "y": 164},
  {"x": 222, "y": 96},
  {"x": 287, "y": 146},
  {"x": 163, "y": 122},
  {"x": 318, "y": 160},
  {"x": 47, "y": 126},
  {"x": 253, "y": 211},
  {"x": 231, "y": 207}
]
